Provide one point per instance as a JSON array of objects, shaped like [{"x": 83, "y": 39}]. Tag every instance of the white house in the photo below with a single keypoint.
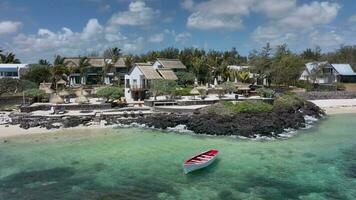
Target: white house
[
  {"x": 326, "y": 73},
  {"x": 12, "y": 70},
  {"x": 138, "y": 81}
]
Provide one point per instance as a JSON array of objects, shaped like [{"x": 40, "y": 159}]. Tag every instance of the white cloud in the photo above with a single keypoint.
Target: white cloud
[
  {"x": 352, "y": 19},
  {"x": 138, "y": 14},
  {"x": 93, "y": 37},
  {"x": 298, "y": 23},
  {"x": 157, "y": 38},
  {"x": 7, "y": 27},
  {"x": 327, "y": 39},
  {"x": 205, "y": 21},
  {"x": 182, "y": 37}
]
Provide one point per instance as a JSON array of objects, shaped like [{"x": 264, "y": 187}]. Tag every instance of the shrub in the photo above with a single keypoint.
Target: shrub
[
  {"x": 110, "y": 93},
  {"x": 265, "y": 92},
  {"x": 182, "y": 91},
  {"x": 228, "y": 87},
  {"x": 36, "y": 94},
  {"x": 288, "y": 102},
  {"x": 340, "y": 86},
  {"x": 185, "y": 78},
  {"x": 248, "y": 107},
  {"x": 11, "y": 86},
  {"x": 305, "y": 85}
]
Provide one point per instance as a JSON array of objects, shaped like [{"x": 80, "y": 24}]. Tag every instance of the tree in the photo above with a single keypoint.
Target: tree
[
  {"x": 8, "y": 58},
  {"x": 316, "y": 72},
  {"x": 185, "y": 78},
  {"x": 38, "y": 73},
  {"x": 11, "y": 85},
  {"x": 111, "y": 56},
  {"x": 262, "y": 61},
  {"x": 243, "y": 76},
  {"x": 129, "y": 61},
  {"x": 59, "y": 68},
  {"x": 44, "y": 62},
  {"x": 287, "y": 69},
  {"x": 312, "y": 55},
  {"x": 36, "y": 94},
  {"x": 110, "y": 93},
  {"x": 83, "y": 67},
  {"x": 163, "y": 87}
]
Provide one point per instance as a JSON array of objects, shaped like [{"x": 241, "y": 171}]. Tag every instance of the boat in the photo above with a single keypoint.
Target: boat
[{"x": 200, "y": 161}]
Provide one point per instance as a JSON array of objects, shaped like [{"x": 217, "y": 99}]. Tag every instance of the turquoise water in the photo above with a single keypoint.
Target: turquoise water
[{"x": 319, "y": 163}]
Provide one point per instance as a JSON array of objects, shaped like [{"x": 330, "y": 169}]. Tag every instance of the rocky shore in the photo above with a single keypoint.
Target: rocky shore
[{"x": 269, "y": 124}]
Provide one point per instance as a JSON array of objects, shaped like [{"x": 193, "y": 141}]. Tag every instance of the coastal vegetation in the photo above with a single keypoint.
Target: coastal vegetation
[{"x": 110, "y": 93}]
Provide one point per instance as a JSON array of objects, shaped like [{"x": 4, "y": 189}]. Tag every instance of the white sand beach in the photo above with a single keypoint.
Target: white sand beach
[{"x": 337, "y": 106}]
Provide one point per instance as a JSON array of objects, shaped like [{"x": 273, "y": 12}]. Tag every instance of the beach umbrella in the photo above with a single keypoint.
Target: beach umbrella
[
  {"x": 215, "y": 81},
  {"x": 81, "y": 91},
  {"x": 194, "y": 92},
  {"x": 81, "y": 99},
  {"x": 235, "y": 80},
  {"x": 55, "y": 98},
  {"x": 195, "y": 81},
  {"x": 63, "y": 93}
]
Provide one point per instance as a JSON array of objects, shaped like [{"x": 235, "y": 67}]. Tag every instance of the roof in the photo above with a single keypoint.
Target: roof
[
  {"x": 168, "y": 74},
  {"x": 96, "y": 61},
  {"x": 171, "y": 63},
  {"x": 149, "y": 72},
  {"x": 312, "y": 65},
  {"x": 14, "y": 66},
  {"x": 344, "y": 69}
]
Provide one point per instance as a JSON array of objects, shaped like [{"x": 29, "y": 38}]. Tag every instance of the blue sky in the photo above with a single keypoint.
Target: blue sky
[{"x": 44, "y": 28}]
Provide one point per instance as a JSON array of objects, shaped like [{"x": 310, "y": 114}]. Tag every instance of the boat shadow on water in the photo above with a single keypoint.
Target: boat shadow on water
[{"x": 201, "y": 173}]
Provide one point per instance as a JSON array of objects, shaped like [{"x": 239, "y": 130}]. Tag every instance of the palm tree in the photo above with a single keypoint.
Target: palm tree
[
  {"x": 44, "y": 62},
  {"x": 8, "y": 58},
  {"x": 59, "y": 68},
  {"x": 111, "y": 56},
  {"x": 83, "y": 66}
]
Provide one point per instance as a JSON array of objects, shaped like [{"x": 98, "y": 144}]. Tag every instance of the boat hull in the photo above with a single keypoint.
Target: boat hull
[{"x": 192, "y": 167}]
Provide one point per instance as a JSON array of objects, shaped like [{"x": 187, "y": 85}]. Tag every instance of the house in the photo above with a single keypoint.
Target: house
[
  {"x": 326, "y": 73},
  {"x": 138, "y": 81},
  {"x": 12, "y": 70},
  {"x": 94, "y": 73}
]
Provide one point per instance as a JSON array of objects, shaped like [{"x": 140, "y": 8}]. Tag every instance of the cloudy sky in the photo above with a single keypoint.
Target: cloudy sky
[{"x": 43, "y": 28}]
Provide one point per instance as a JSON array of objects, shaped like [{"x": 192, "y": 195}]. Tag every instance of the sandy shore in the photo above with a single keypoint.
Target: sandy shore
[
  {"x": 15, "y": 130},
  {"x": 337, "y": 106}
]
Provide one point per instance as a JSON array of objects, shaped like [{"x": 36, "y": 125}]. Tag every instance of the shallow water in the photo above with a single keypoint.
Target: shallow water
[{"x": 319, "y": 163}]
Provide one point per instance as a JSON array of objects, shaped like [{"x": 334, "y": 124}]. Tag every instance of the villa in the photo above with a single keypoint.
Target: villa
[
  {"x": 94, "y": 74},
  {"x": 12, "y": 70},
  {"x": 326, "y": 73},
  {"x": 138, "y": 81}
]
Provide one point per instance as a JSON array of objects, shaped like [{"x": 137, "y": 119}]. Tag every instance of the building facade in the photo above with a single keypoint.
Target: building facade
[{"x": 12, "y": 70}]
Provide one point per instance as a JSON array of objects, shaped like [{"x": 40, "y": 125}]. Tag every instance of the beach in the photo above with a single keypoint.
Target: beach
[{"x": 337, "y": 106}]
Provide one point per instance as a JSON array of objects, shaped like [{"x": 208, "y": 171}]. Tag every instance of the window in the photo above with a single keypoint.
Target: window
[
  {"x": 127, "y": 83},
  {"x": 134, "y": 82}
]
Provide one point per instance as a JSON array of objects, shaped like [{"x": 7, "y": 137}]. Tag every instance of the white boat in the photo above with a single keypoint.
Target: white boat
[{"x": 200, "y": 161}]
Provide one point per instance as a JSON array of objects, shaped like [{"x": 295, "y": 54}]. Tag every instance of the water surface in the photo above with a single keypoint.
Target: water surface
[{"x": 319, "y": 163}]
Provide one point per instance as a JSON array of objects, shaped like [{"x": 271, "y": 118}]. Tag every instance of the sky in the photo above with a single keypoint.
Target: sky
[{"x": 40, "y": 29}]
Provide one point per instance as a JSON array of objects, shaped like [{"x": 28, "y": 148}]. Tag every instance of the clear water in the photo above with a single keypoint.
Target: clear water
[{"x": 319, "y": 163}]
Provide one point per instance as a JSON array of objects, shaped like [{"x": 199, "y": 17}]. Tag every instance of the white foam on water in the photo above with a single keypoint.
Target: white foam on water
[{"x": 181, "y": 128}]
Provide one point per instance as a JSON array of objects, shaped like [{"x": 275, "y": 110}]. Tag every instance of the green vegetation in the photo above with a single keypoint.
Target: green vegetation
[
  {"x": 288, "y": 102},
  {"x": 228, "y": 108},
  {"x": 182, "y": 91},
  {"x": 185, "y": 78},
  {"x": 110, "y": 93},
  {"x": 265, "y": 92},
  {"x": 12, "y": 86},
  {"x": 38, "y": 73},
  {"x": 36, "y": 94},
  {"x": 8, "y": 57},
  {"x": 163, "y": 87}
]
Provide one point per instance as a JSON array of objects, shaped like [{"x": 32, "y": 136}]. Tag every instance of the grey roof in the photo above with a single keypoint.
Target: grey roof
[
  {"x": 149, "y": 72},
  {"x": 171, "y": 63},
  {"x": 344, "y": 69},
  {"x": 95, "y": 61},
  {"x": 168, "y": 74}
]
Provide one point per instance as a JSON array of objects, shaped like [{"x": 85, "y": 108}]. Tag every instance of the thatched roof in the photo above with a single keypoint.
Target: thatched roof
[
  {"x": 81, "y": 91},
  {"x": 61, "y": 82},
  {"x": 55, "y": 98},
  {"x": 168, "y": 74},
  {"x": 171, "y": 63},
  {"x": 81, "y": 99},
  {"x": 63, "y": 93},
  {"x": 95, "y": 61},
  {"x": 194, "y": 91},
  {"x": 149, "y": 72}
]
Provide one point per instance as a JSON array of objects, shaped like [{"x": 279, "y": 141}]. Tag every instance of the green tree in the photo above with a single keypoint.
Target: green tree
[
  {"x": 8, "y": 58},
  {"x": 83, "y": 67},
  {"x": 111, "y": 56},
  {"x": 59, "y": 68},
  {"x": 38, "y": 73},
  {"x": 44, "y": 62},
  {"x": 163, "y": 87},
  {"x": 110, "y": 93},
  {"x": 312, "y": 54},
  {"x": 185, "y": 78},
  {"x": 11, "y": 85},
  {"x": 36, "y": 94}
]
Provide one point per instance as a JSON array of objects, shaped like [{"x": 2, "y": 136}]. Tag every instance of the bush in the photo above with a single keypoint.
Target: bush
[
  {"x": 265, "y": 92},
  {"x": 185, "y": 78},
  {"x": 36, "y": 94},
  {"x": 288, "y": 102},
  {"x": 305, "y": 85},
  {"x": 340, "y": 86},
  {"x": 11, "y": 86},
  {"x": 228, "y": 108},
  {"x": 182, "y": 91},
  {"x": 110, "y": 93}
]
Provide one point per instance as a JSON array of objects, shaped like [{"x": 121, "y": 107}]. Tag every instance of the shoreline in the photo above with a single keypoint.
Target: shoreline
[{"x": 336, "y": 106}]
